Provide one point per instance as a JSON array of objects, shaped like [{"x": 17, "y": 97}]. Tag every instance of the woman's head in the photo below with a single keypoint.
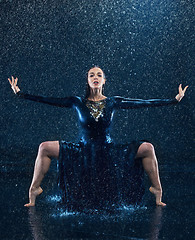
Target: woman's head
[{"x": 95, "y": 80}]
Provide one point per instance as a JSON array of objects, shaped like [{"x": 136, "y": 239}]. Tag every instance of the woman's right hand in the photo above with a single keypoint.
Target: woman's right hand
[{"x": 13, "y": 84}]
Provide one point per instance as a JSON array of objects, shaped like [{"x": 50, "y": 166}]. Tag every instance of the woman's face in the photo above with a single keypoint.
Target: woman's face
[{"x": 96, "y": 78}]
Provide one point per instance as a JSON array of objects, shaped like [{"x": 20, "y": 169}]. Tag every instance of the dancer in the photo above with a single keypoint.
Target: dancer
[{"x": 76, "y": 160}]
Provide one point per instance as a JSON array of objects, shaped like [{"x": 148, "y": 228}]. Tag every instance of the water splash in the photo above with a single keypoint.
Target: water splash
[
  {"x": 54, "y": 198},
  {"x": 132, "y": 208},
  {"x": 113, "y": 211},
  {"x": 63, "y": 213}
]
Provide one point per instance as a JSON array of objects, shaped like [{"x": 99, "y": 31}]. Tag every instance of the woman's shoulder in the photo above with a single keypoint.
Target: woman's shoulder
[
  {"x": 116, "y": 97},
  {"x": 75, "y": 98}
]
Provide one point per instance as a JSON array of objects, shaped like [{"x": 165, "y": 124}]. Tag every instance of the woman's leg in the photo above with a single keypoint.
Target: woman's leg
[
  {"x": 46, "y": 151},
  {"x": 150, "y": 164}
]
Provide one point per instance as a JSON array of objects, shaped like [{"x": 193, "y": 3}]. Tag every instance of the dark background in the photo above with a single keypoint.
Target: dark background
[{"x": 146, "y": 49}]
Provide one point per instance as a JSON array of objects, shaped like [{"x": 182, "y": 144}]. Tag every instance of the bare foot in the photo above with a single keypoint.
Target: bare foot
[
  {"x": 158, "y": 194},
  {"x": 33, "y": 193}
]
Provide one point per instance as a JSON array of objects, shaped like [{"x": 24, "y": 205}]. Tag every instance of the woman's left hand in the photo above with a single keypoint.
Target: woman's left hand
[{"x": 181, "y": 93}]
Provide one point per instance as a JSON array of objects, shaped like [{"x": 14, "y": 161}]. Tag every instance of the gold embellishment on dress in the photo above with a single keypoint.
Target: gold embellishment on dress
[{"x": 96, "y": 108}]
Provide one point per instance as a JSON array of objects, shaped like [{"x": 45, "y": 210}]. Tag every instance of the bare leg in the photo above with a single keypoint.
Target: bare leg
[
  {"x": 42, "y": 163},
  {"x": 150, "y": 164}
]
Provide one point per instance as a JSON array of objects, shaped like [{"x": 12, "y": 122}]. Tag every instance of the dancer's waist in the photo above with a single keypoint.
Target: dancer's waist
[{"x": 96, "y": 139}]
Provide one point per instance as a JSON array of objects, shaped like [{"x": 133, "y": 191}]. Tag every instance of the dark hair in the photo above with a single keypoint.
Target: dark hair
[{"x": 87, "y": 89}]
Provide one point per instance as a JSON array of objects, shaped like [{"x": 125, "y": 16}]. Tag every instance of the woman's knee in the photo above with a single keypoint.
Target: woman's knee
[
  {"x": 145, "y": 149},
  {"x": 49, "y": 148},
  {"x": 43, "y": 147}
]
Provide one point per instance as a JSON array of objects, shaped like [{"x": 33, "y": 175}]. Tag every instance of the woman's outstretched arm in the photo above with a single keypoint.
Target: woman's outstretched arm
[
  {"x": 60, "y": 102},
  {"x": 125, "y": 103}
]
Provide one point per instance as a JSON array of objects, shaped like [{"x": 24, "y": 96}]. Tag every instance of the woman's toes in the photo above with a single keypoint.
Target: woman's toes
[
  {"x": 161, "y": 204},
  {"x": 29, "y": 205},
  {"x": 158, "y": 194},
  {"x": 33, "y": 193}
]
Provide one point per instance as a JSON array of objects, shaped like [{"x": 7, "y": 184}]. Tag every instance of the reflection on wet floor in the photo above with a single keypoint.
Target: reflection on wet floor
[
  {"x": 121, "y": 222},
  {"x": 49, "y": 220},
  {"x": 79, "y": 227}
]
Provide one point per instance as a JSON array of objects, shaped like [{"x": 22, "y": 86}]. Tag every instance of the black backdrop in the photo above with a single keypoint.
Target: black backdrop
[{"x": 146, "y": 48}]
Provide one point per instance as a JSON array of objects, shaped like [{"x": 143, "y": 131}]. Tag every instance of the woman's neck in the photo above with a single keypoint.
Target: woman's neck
[{"x": 96, "y": 95}]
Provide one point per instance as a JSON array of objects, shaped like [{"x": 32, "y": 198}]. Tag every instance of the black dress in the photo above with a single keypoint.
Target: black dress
[{"x": 96, "y": 173}]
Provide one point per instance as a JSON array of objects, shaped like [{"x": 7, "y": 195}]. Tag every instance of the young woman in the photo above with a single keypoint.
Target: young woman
[{"x": 96, "y": 170}]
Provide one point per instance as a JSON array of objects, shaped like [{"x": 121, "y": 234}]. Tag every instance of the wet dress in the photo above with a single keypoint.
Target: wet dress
[{"x": 95, "y": 172}]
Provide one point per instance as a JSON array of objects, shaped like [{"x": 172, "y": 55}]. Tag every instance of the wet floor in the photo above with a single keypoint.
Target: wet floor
[{"x": 49, "y": 220}]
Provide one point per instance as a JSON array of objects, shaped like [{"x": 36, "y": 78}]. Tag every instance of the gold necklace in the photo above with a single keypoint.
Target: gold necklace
[{"x": 96, "y": 108}]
